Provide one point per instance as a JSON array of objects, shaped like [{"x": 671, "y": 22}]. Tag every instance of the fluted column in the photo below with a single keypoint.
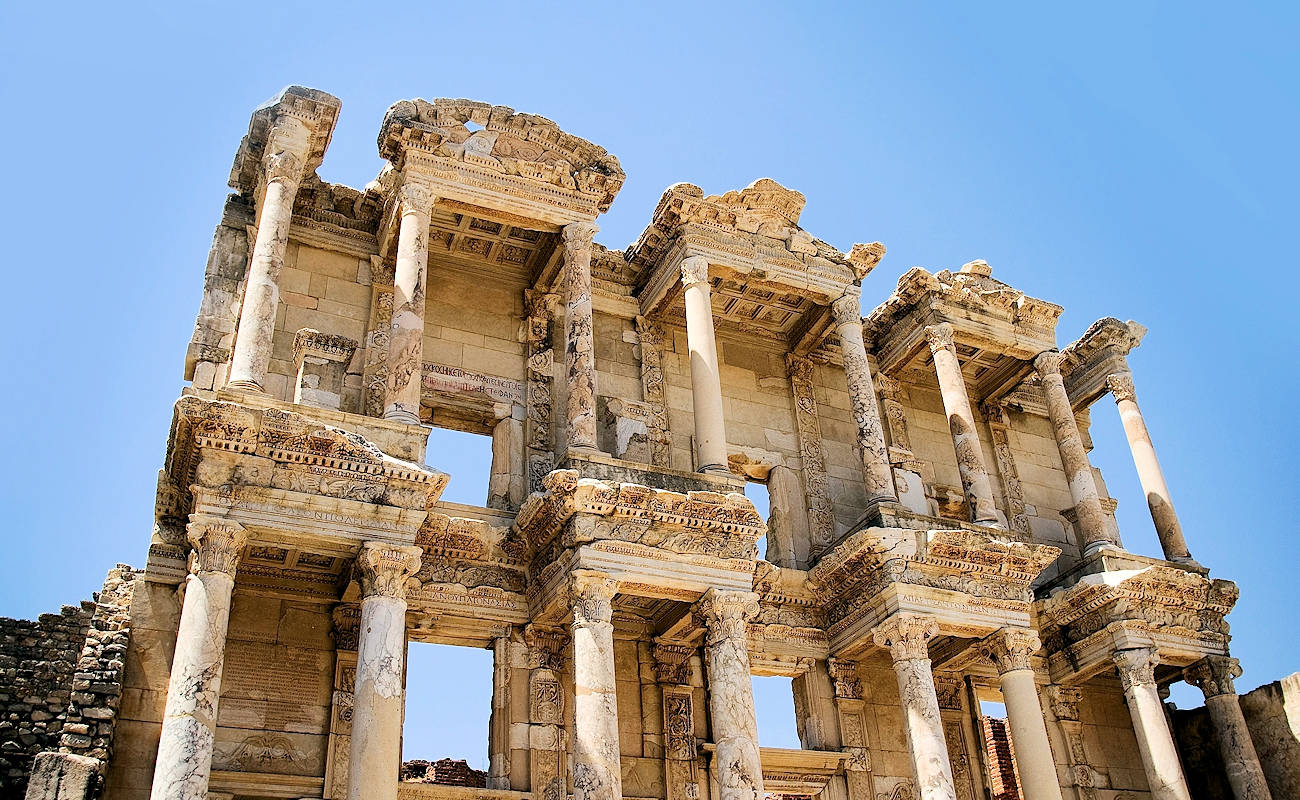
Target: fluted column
[
  {"x": 579, "y": 335},
  {"x": 1150, "y": 475},
  {"x": 410, "y": 280},
  {"x": 961, "y": 423},
  {"x": 377, "y": 703},
  {"x": 1214, "y": 675},
  {"x": 1093, "y": 532},
  {"x": 597, "y": 773},
  {"x": 726, "y": 617},
  {"x": 862, "y": 397},
  {"x": 286, "y": 152},
  {"x": 706, "y": 383},
  {"x": 1010, "y": 650},
  {"x": 1136, "y": 669},
  {"x": 907, "y": 636},
  {"x": 190, "y": 716}
]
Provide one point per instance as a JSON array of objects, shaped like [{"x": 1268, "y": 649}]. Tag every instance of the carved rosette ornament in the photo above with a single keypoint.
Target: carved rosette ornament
[
  {"x": 673, "y": 663},
  {"x": 217, "y": 544},
  {"x": 592, "y": 598},
  {"x": 384, "y": 570},
  {"x": 726, "y": 615},
  {"x": 1214, "y": 675},
  {"x": 1136, "y": 667},
  {"x": 1011, "y": 648},
  {"x": 1120, "y": 385},
  {"x": 907, "y": 636},
  {"x": 844, "y": 678}
]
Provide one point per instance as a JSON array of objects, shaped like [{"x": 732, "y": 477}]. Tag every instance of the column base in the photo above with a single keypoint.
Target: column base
[
  {"x": 714, "y": 469},
  {"x": 400, "y": 415},
  {"x": 246, "y": 385}
]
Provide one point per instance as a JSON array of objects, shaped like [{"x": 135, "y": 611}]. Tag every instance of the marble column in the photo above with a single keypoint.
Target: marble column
[
  {"x": 907, "y": 636},
  {"x": 410, "y": 280},
  {"x": 1010, "y": 650},
  {"x": 190, "y": 716},
  {"x": 862, "y": 397},
  {"x": 726, "y": 617},
  {"x": 1136, "y": 669},
  {"x": 706, "y": 383},
  {"x": 286, "y": 153},
  {"x": 1093, "y": 532},
  {"x": 579, "y": 335},
  {"x": 377, "y": 704},
  {"x": 597, "y": 771},
  {"x": 961, "y": 422},
  {"x": 1214, "y": 675},
  {"x": 1150, "y": 475}
]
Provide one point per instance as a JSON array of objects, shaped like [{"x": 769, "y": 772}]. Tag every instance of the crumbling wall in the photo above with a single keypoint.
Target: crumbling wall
[
  {"x": 1272, "y": 714},
  {"x": 37, "y": 663}
]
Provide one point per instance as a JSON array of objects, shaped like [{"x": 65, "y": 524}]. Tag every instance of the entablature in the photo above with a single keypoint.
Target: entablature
[
  {"x": 318, "y": 111},
  {"x": 1100, "y": 352}
]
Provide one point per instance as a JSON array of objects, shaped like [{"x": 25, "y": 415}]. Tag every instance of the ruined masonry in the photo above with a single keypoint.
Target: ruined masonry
[{"x": 937, "y": 536}]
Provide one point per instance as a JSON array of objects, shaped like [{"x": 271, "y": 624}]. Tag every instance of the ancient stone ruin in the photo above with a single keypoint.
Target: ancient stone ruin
[{"x": 937, "y": 536}]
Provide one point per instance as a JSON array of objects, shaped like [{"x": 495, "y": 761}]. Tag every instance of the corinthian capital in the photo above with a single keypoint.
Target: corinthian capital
[
  {"x": 940, "y": 337},
  {"x": 844, "y": 678},
  {"x": 726, "y": 615},
  {"x": 578, "y": 237},
  {"x": 847, "y": 310},
  {"x": 217, "y": 543},
  {"x": 1121, "y": 386},
  {"x": 1136, "y": 667},
  {"x": 282, "y": 165},
  {"x": 1010, "y": 648},
  {"x": 413, "y": 198},
  {"x": 1214, "y": 675},
  {"x": 695, "y": 270},
  {"x": 385, "y": 569},
  {"x": 592, "y": 596},
  {"x": 1065, "y": 702},
  {"x": 1048, "y": 363},
  {"x": 906, "y": 635}
]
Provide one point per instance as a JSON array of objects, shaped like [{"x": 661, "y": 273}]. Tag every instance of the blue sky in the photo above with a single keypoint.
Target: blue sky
[{"x": 1136, "y": 161}]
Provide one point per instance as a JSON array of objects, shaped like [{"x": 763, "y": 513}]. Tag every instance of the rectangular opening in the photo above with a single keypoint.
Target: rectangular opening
[
  {"x": 774, "y": 709},
  {"x": 448, "y": 704},
  {"x": 467, "y": 457},
  {"x": 758, "y": 495},
  {"x": 1004, "y": 783}
]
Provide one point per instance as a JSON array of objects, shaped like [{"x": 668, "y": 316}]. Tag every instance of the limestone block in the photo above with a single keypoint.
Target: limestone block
[{"x": 63, "y": 776}]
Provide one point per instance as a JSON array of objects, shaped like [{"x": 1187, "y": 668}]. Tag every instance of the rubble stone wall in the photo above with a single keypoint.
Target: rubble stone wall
[{"x": 37, "y": 663}]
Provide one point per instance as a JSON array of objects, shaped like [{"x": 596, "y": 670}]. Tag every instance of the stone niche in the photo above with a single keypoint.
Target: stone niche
[{"x": 321, "y": 360}]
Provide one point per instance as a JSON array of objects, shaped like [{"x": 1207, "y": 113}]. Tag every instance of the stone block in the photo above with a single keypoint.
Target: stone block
[{"x": 63, "y": 776}]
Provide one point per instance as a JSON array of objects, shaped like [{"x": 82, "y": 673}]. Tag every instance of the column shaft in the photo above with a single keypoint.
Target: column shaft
[
  {"x": 961, "y": 423},
  {"x": 726, "y": 617},
  {"x": 1010, "y": 650},
  {"x": 1093, "y": 531},
  {"x": 190, "y": 716},
  {"x": 579, "y": 335},
  {"x": 597, "y": 771},
  {"x": 907, "y": 638},
  {"x": 406, "y": 331},
  {"x": 862, "y": 396},
  {"x": 286, "y": 149},
  {"x": 376, "y": 753},
  {"x": 1150, "y": 475},
  {"x": 1155, "y": 742},
  {"x": 706, "y": 383},
  {"x": 1215, "y": 676}
]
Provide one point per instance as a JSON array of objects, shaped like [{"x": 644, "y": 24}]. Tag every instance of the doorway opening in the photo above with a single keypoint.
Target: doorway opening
[
  {"x": 448, "y": 705},
  {"x": 774, "y": 710}
]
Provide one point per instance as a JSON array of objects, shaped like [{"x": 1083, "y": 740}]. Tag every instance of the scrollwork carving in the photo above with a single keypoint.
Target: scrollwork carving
[
  {"x": 1214, "y": 675},
  {"x": 1010, "y": 648},
  {"x": 217, "y": 543},
  {"x": 1137, "y": 666},
  {"x": 907, "y": 636},
  {"x": 385, "y": 569}
]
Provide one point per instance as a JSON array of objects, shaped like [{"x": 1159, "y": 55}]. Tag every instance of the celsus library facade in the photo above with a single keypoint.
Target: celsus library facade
[{"x": 937, "y": 537}]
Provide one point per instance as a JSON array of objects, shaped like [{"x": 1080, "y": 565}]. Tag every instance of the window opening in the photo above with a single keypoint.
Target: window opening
[
  {"x": 1004, "y": 783},
  {"x": 448, "y": 704},
  {"x": 774, "y": 710},
  {"x": 758, "y": 495},
  {"x": 467, "y": 457}
]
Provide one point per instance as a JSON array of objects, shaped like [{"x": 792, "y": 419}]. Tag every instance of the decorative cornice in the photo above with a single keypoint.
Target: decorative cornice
[
  {"x": 310, "y": 111},
  {"x": 864, "y": 258},
  {"x": 332, "y": 347}
]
